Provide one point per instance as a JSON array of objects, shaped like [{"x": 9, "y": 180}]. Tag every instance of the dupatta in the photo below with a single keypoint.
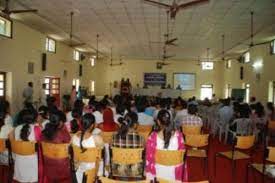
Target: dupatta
[{"x": 151, "y": 146}]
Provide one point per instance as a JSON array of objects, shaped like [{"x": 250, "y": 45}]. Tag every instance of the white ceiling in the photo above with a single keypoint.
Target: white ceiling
[{"x": 131, "y": 26}]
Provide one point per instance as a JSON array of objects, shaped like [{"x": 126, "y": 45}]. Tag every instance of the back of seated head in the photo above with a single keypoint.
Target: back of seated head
[
  {"x": 28, "y": 117},
  {"x": 163, "y": 103},
  {"x": 98, "y": 106},
  {"x": 183, "y": 104},
  {"x": 91, "y": 100},
  {"x": 192, "y": 109},
  {"x": 244, "y": 110},
  {"x": 141, "y": 108},
  {"x": 43, "y": 111},
  {"x": 78, "y": 104},
  {"x": 117, "y": 99},
  {"x": 130, "y": 120},
  {"x": 76, "y": 113},
  {"x": 226, "y": 102},
  {"x": 56, "y": 119},
  {"x": 104, "y": 103},
  {"x": 120, "y": 109}
]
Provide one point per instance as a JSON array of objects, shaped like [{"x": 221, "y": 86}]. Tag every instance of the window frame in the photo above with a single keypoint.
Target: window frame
[
  {"x": 4, "y": 84},
  {"x": 48, "y": 39},
  {"x": 206, "y": 86},
  {"x": 272, "y": 47},
  {"x": 245, "y": 55},
  {"x": 205, "y": 62},
  {"x": 5, "y": 19},
  {"x": 93, "y": 60},
  {"x": 247, "y": 87},
  {"x": 74, "y": 55},
  {"x": 228, "y": 64}
]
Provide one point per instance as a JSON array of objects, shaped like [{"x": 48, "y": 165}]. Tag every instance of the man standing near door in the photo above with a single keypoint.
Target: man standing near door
[{"x": 28, "y": 93}]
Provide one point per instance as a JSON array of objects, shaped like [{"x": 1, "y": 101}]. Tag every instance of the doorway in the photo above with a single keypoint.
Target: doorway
[{"x": 53, "y": 88}]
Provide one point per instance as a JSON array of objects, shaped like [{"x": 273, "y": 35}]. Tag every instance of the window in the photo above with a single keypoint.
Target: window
[
  {"x": 228, "y": 91},
  {"x": 76, "y": 83},
  {"x": 206, "y": 91},
  {"x": 272, "y": 47},
  {"x": 5, "y": 27},
  {"x": 92, "y": 61},
  {"x": 92, "y": 87},
  {"x": 228, "y": 64},
  {"x": 76, "y": 55},
  {"x": 246, "y": 57},
  {"x": 2, "y": 85},
  {"x": 247, "y": 92},
  {"x": 207, "y": 65},
  {"x": 50, "y": 45},
  {"x": 271, "y": 92}
]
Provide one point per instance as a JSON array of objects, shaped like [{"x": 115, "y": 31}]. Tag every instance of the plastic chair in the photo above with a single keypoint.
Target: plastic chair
[
  {"x": 144, "y": 131},
  {"x": 160, "y": 180},
  {"x": 163, "y": 157},
  {"x": 108, "y": 180},
  {"x": 197, "y": 147},
  {"x": 23, "y": 148},
  {"x": 127, "y": 156},
  {"x": 55, "y": 151},
  {"x": 191, "y": 129},
  {"x": 90, "y": 155},
  {"x": 242, "y": 143},
  {"x": 107, "y": 137},
  {"x": 261, "y": 168}
]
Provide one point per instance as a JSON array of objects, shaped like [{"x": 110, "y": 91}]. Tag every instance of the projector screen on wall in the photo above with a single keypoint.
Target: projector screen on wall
[{"x": 184, "y": 81}]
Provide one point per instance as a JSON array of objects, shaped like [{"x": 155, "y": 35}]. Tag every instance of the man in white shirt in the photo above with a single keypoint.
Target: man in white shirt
[
  {"x": 225, "y": 112},
  {"x": 98, "y": 113},
  {"x": 43, "y": 96},
  {"x": 144, "y": 119},
  {"x": 28, "y": 93}
]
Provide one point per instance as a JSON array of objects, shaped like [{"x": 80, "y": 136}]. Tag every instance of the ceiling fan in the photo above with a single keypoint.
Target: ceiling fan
[
  {"x": 175, "y": 7},
  {"x": 71, "y": 44},
  {"x": 7, "y": 11},
  {"x": 252, "y": 34}
]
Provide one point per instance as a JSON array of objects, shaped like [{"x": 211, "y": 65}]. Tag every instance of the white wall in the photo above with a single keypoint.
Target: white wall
[
  {"x": 134, "y": 70},
  {"x": 258, "y": 87},
  {"x": 26, "y": 46}
]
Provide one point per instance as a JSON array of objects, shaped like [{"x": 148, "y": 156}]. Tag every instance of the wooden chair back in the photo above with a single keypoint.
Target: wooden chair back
[
  {"x": 163, "y": 157},
  {"x": 191, "y": 129},
  {"x": 197, "y": 140},
  {"x": 55, "y": 151},
  {"x": 127, "y": 156},
  {"x": 89, "y": 155},
  {"x": 108, "y": 180},
  {"x": 144, "y": 131},
  {"x": 271, "y": 154},
  {"x": 23, "y": 148},
  {"x": 3, "y": 145},
  {"x": 245, "y": 142},
  {"x": 107, "y": 137}
]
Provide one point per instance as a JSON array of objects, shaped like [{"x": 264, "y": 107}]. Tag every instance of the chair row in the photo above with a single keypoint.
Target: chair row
[{"x": 95, "y": 155}]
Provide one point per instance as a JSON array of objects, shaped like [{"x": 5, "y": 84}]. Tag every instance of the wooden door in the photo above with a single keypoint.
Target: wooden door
[{"x": 53, "y": 88}]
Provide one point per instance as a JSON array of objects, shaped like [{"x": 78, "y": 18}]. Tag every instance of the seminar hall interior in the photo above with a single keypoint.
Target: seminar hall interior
[{"x": 137, "y": 91}]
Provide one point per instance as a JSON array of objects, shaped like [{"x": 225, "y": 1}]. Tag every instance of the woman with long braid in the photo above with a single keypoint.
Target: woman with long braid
[
  {"x": 85, "y": 139},
  {"x": 164, "y": 136}
]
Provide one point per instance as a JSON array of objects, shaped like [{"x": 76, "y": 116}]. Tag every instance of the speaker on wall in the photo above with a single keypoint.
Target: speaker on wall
[
  {"x": 44, "y": 62},
  {"x": 241, "y": 72},
  {"x": 80, "y": 70}
]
